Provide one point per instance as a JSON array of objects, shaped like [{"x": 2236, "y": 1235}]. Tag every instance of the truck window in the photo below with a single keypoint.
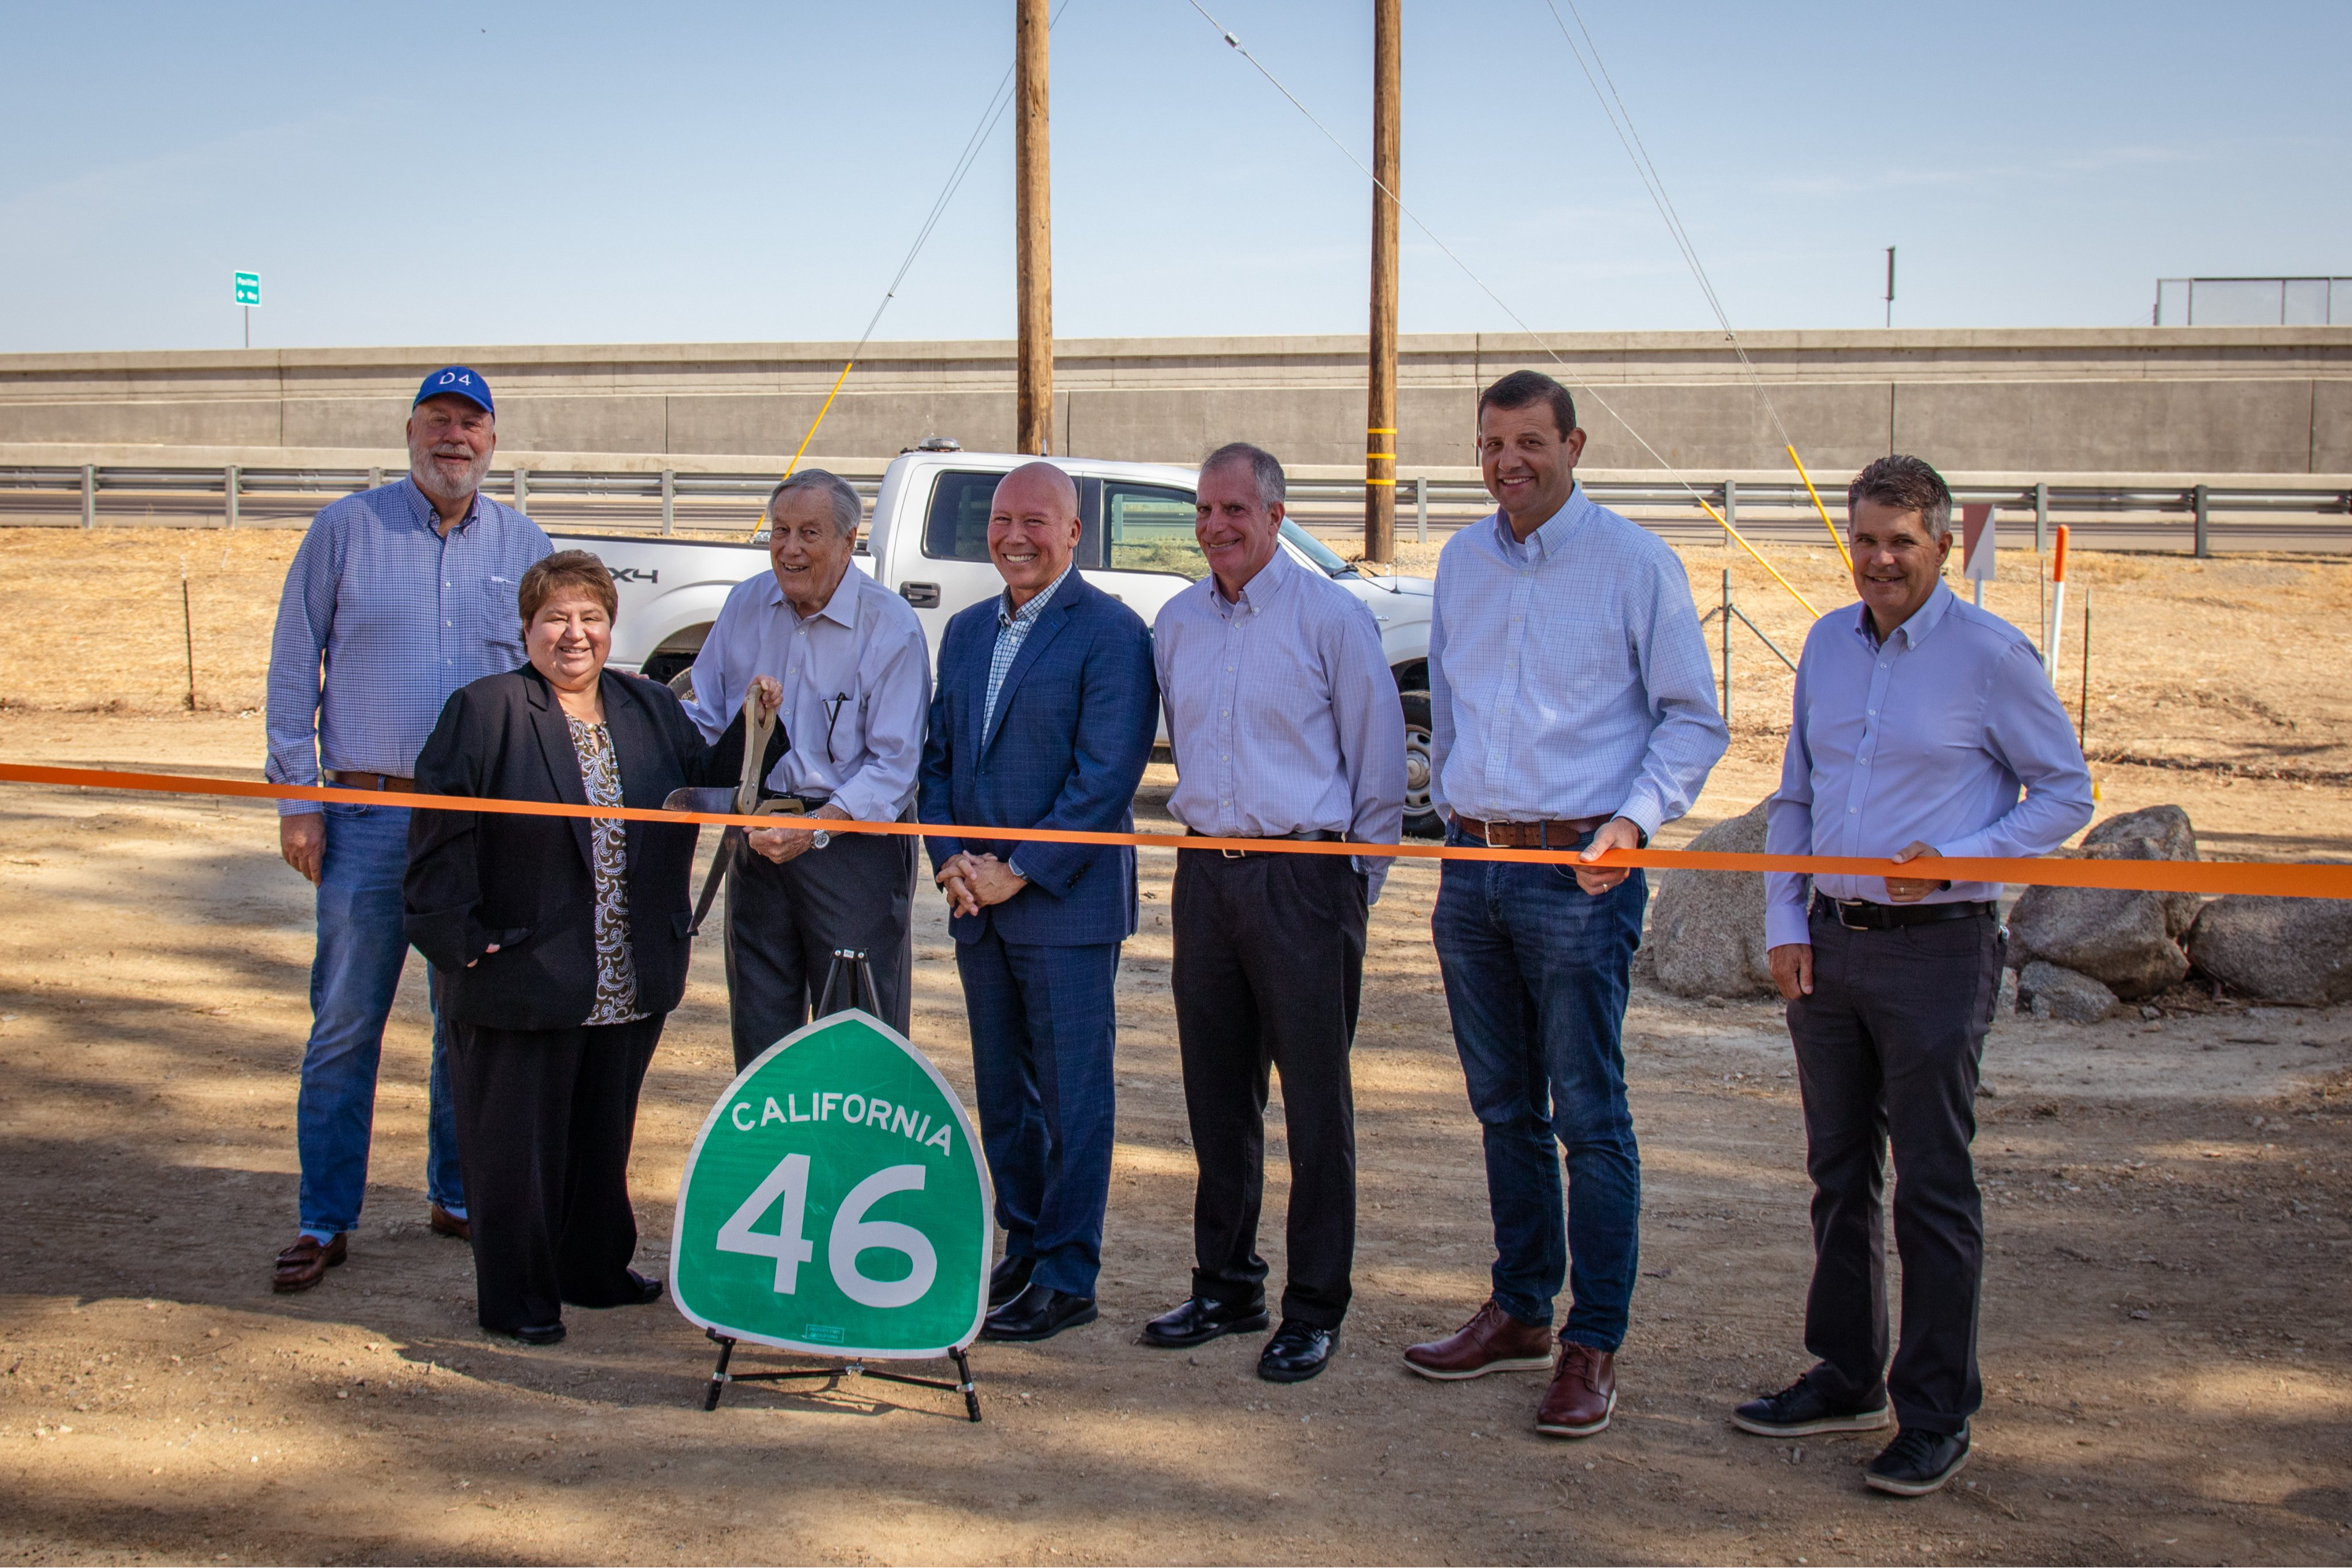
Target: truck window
[
  {"x": 956, "y": 528},
  {"x": 1148, "y": 528}
]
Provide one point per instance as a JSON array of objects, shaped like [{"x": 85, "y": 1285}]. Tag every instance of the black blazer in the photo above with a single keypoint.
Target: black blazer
[{"x": 527, "y": 882}]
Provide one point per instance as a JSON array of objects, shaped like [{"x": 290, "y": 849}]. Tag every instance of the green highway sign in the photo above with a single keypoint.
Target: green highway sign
[
  {"x": 249, "y": 289},
  {"x": 835, "y": 1202}
]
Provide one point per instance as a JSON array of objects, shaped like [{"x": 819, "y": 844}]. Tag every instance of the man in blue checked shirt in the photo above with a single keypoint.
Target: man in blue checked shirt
[
  {"x": 1920, "y": 719},
  {"x": 397, "y": 597},
  {"x": 1572, "y": 708}
]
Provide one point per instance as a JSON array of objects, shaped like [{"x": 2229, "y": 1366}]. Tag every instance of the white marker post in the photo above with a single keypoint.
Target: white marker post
[
  {"x": 2057, "y": 607},
  {"x": 1977, "y": 527}
]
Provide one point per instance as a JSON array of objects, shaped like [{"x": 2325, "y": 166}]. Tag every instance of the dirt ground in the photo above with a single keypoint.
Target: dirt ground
[{"x": 2166, "y": 1352}]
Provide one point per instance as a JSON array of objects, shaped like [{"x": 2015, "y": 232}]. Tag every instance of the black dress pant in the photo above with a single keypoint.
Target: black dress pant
[
  {"x": 1888, "y": 1047},
  {"x": 544, "y": 1121},
  {"x": 784, "y": 922},
  {"x": 1269, "y": 967}
]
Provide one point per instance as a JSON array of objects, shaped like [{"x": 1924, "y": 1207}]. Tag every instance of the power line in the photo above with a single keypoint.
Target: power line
[{"x": 1586, "y": 387}]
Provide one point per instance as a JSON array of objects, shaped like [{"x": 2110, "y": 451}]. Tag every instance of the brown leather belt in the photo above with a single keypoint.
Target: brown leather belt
[
  {"x": 1560, "y": 835},
  {"x": 351, "y": 778}
]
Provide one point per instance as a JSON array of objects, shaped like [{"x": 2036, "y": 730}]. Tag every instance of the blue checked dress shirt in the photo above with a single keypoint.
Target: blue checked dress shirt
[
  {"x": 1567, "y": 676},
  {"x": 1927, "y": 737},
  {"x": 1281, "y": 712},
  {"x": 1012, "y": 630},
  {"x": 381, "y": 620},
  {"x": 857, "y": 689}
]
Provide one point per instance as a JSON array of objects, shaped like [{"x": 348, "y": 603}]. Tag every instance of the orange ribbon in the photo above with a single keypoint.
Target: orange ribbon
[{"x": 2288, "y": 880}]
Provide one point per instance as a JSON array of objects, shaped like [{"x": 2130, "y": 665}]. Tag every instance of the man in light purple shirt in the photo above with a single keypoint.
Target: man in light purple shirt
[
  {"x": 1285, "y": 725},
  {"x": 1918, "y": 719}
]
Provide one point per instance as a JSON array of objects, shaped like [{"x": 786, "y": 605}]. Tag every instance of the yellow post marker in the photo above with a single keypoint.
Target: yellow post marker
[
  {"x": 1836, "y": 538},
  {"x": 1742, "y": 540}
]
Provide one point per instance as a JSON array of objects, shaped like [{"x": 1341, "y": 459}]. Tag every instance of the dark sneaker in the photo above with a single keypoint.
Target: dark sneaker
[
  {"x": 1916, "y": 1463},
  {"x": 1803, "y": 1410}
]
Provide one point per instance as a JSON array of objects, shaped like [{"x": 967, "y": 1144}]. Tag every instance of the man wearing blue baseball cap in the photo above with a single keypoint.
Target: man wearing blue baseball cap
[{"x": 397, "y": 597}]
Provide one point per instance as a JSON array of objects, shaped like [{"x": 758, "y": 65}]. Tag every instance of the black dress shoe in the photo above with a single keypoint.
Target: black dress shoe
[
  {"x": 1009, "y": 1279},
  {"x": 1201, "y": 1320},
  {"x": 1805, "y": 1407},
  {"x": 547, "y": 1333},
  {"x": 1040, "y": 1311},
  {"x": 1296, "y": 1351},
  {"x": 1917, "y": 1462},
  {"x": 648, "y": 1290}
]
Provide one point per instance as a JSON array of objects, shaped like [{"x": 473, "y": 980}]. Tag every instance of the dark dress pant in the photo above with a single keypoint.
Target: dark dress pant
[
  {"x": 784, "y": 922},
  {"x": 544, "y": 1122},
  {"x": 1269, "y": 969},
  {"x": 1043, "y": 1029},
  {"x": 1888, "y": 1047}
]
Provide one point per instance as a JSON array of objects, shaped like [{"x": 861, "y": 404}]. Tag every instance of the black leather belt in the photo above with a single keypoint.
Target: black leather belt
[
  {"x": 1861, "y": 915},
  {"x": 353, "y": 779},
  {"x": 1311, "y": 835}
]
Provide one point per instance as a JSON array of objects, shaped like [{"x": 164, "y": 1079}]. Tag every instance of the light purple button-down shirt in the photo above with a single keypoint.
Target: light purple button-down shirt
[
  {"x": 1281, "y": 712},
  {"x": 1926, "y": 736},
  {"x": 857, "y": 689}
]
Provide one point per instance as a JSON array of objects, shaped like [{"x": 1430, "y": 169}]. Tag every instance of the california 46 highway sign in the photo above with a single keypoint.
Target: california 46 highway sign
[{"x": 835, "y": 1202}]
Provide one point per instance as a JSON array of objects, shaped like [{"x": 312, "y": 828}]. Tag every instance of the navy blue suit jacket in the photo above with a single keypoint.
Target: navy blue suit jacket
[{"x": 1073, "y": 729}]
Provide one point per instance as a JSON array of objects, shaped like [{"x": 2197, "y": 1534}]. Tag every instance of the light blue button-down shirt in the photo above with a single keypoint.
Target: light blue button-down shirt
[
  {"x": 1281, "y": 712},
  {"x": 381, "y": 620},
  {"x": 1926, "y": 736},
  {"x": 1566, "y": 676},
  {"x": 857, "y": 689},
  {"x": 1012, "y": 630}
]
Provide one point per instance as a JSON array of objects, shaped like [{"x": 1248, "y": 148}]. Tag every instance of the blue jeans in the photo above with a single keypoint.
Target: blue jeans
[
  {"x": 1536, "y": 972},
  {"x": 362, "y": 949},
  {"x": 1043, "y": 1032}
]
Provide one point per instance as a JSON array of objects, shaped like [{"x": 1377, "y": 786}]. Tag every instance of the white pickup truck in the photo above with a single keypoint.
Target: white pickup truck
[{"x": 928, "y": 539}]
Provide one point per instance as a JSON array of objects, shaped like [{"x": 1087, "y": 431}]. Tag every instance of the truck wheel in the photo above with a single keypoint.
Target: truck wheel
[
  {"x": 666, "y": 668},
  {"x": 1420, "y": 822}
]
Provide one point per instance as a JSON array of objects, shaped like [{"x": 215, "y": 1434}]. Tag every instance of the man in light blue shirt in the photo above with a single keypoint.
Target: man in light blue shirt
[
  {"x": 1572, "y": 708},
  {"x": 1918, "y": 718},
  {"x": 397, "y": 597}
]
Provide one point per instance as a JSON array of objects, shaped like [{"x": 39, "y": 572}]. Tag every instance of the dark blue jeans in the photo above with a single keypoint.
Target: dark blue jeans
[
  {"x": 1536, "y": 973},
  {"x": 1043, "y": 1032},
  {"x": 363, "y": 947}
]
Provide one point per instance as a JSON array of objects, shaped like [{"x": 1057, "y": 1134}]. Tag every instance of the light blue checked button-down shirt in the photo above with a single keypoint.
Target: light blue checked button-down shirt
[
  {"x": 382, "y": 619},
  {"x": 1281, "y": 712},
  {"x": 1012, "y": 630},
  {"x": 1567, "y": 676}
]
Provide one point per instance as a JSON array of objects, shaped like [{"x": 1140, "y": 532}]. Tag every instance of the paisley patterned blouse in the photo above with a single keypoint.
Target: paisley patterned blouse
[{"x": 616, "y": 971}]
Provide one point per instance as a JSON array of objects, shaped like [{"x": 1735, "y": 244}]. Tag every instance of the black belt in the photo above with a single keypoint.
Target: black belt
[
  {"x": 1310, "y": 835},
  {"x": 1861, "y": 915}
]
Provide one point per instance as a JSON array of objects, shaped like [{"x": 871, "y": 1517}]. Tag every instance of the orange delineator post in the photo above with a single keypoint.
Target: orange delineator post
[{"x": 2057, "y": 607}]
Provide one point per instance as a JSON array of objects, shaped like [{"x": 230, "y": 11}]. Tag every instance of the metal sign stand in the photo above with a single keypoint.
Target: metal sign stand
[{"x": 852, "y": 975}]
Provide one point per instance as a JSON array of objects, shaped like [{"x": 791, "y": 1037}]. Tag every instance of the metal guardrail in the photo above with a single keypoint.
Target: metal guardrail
[{"x": 2197, "y": 518}]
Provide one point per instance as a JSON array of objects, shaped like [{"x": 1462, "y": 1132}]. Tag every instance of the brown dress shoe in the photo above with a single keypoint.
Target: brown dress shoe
[
  {"x": 1493, "y": 1341},
  {"x": 445, "y": 1223},
  {"x": 1583, "y": 1393},
  {"x": 306, "y": 1263}
]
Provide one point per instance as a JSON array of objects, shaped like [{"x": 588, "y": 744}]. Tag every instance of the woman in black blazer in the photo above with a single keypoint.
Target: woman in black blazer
[{"x": 560, "y": 942}]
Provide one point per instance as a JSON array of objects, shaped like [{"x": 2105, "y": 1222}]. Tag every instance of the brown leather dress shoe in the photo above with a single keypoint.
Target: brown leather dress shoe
[
  {"x": 445, "y": 1223},
  {"x": 306, "y": 1263},
  {"x": 1493, "y": 1341},
  {"x": 1582, "y": 1395}
]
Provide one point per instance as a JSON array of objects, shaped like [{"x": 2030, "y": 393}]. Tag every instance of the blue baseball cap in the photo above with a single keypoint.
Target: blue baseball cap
[{"x": 457, "y": 381}]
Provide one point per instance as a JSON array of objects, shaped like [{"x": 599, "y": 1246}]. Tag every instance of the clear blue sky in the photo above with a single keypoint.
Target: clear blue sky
[{"x": 504, "y": 174}]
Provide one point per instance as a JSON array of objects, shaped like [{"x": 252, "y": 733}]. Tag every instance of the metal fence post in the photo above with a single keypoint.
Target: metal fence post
[
  {"x": 228, "y": 494},
  {"x": 669, "y": 500},
  {"x": 1722, "y": 538},
  {"x": 1420, "y": 509},
  {"x": 2042, "y": 519},
  {"x": 523, "y": 491},
  {"x": 88, "y": 495},
  {"x": 375, "y": 478},
  {"x": 1727, "y": 647},
  {"x": 2203, "y": 497}
]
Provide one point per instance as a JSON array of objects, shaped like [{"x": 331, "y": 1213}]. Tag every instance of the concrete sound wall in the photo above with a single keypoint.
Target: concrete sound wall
[{"x": 2267, "y": 400}]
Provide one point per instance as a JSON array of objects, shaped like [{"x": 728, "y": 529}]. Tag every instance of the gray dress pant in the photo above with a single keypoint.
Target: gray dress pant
[
  {"x": 1888, "y": 1047},
  {"x": 784, "y": 922}
]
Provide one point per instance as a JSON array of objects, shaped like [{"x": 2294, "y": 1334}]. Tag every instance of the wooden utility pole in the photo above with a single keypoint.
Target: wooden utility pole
[
  {"x": 1032, "y": 181},
  {"x": 1380, "y": 407}
]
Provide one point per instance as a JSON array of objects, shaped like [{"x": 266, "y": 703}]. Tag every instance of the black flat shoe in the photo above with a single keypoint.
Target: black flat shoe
[
  {"x": 1038, "y": 1312},
  {"x": 1009, "y": 1279},
  {"x": 546, "y": 1334},
  {"x": 1803, "y": 1408},
  {"x": 1201, "y": 1320},
  {"x": 1296, "y": 1351},
  {"x": 1916, "y": 1463}
]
